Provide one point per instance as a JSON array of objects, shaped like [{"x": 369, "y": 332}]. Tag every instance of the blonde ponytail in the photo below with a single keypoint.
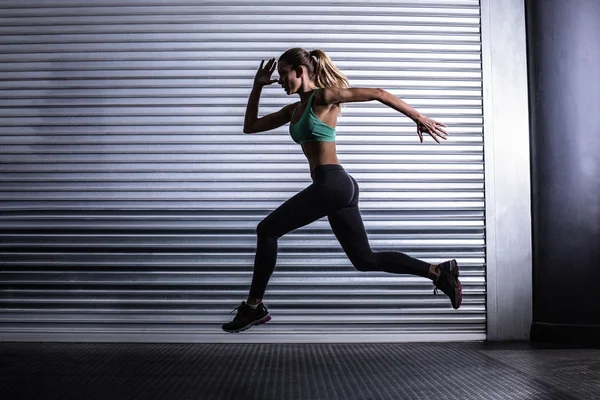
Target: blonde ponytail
[{"x": 327, "y": 74}]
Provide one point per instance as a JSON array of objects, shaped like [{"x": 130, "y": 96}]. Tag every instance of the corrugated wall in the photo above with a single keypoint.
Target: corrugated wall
[{"x": 129, "y": 195}]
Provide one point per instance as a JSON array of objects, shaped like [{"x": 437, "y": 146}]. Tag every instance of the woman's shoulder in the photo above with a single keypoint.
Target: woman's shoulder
[{"x": 320, "y": 96}]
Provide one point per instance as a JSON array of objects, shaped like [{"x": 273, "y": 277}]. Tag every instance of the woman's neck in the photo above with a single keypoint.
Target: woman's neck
[{"x": 306, "y": 92}]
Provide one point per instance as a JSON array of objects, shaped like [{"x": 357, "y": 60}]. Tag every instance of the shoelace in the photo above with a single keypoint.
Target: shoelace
[
  {"x": 436, "y": 288},
  {"x": 237, "y": 308}
]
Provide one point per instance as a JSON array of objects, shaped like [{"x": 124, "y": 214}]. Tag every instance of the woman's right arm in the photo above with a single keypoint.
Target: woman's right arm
[{"x": 253, "y": 124}]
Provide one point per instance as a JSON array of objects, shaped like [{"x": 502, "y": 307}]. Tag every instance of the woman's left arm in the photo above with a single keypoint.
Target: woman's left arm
[{"x": 424, "y": 124}]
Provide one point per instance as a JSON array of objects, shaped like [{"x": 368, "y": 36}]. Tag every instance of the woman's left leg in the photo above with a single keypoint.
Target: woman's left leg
[{"x": 348, "y": 227}]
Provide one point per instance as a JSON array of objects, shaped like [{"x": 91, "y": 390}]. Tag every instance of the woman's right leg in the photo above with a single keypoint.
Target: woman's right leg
[{"x": 303, "y": 208}]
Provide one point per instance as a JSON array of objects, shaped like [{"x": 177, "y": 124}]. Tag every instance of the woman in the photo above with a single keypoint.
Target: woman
[{"x": 334, "y": 193}]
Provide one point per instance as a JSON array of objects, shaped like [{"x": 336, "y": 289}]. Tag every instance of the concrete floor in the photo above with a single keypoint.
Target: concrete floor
[{"x": 44, "y": 371}]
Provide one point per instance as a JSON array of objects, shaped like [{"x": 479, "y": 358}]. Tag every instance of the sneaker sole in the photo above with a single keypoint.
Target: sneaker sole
[
  {"x": 455, "y": 272},
  {"x": 459, "y": 302},
  {"x": 261, "y": 321}
]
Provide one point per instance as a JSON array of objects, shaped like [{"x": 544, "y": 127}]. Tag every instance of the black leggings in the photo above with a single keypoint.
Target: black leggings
[{"x": 333, "y": 193}]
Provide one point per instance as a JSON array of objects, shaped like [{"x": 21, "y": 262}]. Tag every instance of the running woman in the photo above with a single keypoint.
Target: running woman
[{"x": 322, "y": 88}]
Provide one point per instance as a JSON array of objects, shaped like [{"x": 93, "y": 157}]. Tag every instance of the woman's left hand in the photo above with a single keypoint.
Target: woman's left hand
[{"x": 434, "y": 128}]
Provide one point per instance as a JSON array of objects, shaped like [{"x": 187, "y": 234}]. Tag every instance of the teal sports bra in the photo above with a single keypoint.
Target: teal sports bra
[{"x": 310, "y": 128}]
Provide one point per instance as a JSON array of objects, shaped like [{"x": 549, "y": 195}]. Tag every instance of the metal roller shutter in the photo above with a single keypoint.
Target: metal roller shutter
[{"x": 129, "y": 195}]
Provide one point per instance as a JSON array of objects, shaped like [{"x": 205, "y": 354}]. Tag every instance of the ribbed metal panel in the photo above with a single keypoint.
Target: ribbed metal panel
[{"x": 129, "y": 195}]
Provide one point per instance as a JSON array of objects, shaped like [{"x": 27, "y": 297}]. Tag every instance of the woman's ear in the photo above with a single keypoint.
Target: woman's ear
[{"x": 300, "y": 71}]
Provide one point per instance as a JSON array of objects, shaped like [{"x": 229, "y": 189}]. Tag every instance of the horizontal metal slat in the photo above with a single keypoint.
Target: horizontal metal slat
[
  {"x": 214, "y": 215},
  {"x": 167, "y": 259},
  {"x": 371, "y": 165},
  {"x": 270, "y": 94},
  {"x": 116, "y": 205},
  {"x": 94, "y": 156},
  {"x": 264, "y": 186},
  {"x": 207, "y": 27},
  {"x": 259, "y": 17},
  {"x": 240, "y": 9},
  {"x": 350, "y": 114},
  {"x": 42, "y": 103},
  {"x": 465, "y": 84},
  {"x": 334, "y": 271},
  {"x": 251, "y": 55},
  {"x": 207, "y": 122},
  {"x": 448, "y": 196},
  {"x": 232, "y": 46},
  {"x": 219, "y": 133},
  {"x": 403, "y": 177},
  {"x": 248, "y": 74},
  {"x": 18, "y": 4},
  {"x": 232, "y": 36}
]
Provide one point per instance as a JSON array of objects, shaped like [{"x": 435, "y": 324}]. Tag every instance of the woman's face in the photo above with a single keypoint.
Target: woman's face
[{"x": 288, "y": 78}]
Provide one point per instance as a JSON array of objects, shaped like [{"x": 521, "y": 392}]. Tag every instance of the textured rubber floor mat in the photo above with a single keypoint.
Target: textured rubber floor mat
[{"x": 295, "y": 371}]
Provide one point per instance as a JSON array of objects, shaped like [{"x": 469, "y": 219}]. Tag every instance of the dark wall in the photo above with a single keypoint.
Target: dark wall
[{"x": 563, "y": 38}]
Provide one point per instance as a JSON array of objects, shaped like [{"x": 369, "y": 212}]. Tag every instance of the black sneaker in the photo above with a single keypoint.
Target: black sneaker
[
  {"x": 448, "y": 282},
  {"x": 246, "y": 317}
]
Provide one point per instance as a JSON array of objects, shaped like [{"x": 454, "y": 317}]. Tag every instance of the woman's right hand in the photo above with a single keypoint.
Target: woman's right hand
[{"x": 263, "y": 75}]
